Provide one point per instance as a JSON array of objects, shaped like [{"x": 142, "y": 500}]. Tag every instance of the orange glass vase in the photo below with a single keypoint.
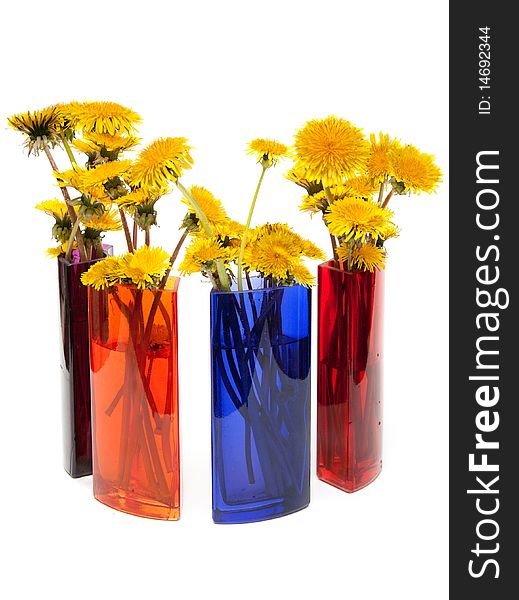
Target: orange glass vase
[{"x": 134, "y": 381}]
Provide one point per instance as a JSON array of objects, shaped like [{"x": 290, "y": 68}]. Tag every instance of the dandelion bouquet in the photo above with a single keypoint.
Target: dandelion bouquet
[
  {"x": 231, "y": 254},
  {"x": 260, "y": 354},
  {"x": 132, "y": 304},
  {"x": 350, "y": 180},
  {"x": 80, "y": 220},
  {"x": 134, "y": 345},
  {"x": 101, "y": 131}
]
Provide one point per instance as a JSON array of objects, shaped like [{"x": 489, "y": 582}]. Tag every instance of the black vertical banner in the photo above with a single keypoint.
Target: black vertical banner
[{"x": 484, "y": 269}]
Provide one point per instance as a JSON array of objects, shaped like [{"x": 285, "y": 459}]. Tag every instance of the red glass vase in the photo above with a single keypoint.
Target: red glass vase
[
  {"x": 134, "y": 380},
  {"x": 349, "y": 378},
  {"x": 74, "y": 362}
]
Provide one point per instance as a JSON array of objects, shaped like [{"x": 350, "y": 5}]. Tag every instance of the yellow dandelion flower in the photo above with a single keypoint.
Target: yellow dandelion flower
[
  {"x": 313, "y": 204},
  {"x": 310, "y": 250},
  {"x": 69, "y": 178},
  {"x": 40, "y": 127},
  {"x": 201, "y": 255},
  {"x": 212, "y": 208},
  {"x": 367, "y": 257},
  {"x": 380, "y": 160},
  {"x": 360, "y": 187},
  {"x": 354, "y": 218},
  {"x": 267, "y": 151},
  {"x": 330, "y": 150},
  {"x": 390, "y": 231},
  {"x": 271, "y": 228},
  {"x": 228, "y": 232},
  {"x": 415, "y": 169},
  {"x": 207, "y": 250},
  {"x": 103, "y": 173},
  {"x": 299, "y": 176},
  {"x": 189, "y": 265},
  {"x": 104, "y": 142},
  {"x": 320, "y": 201},
  {"x": 162, "y": 161},
  {"x": 58, "y": 251},
  {"x": 111, "y": 143},
  {"x": 104, "y": 117},
  {"x": 74, "y": 178},
  {"x": 65, "y": 109},
  {"x": 54, "y": 208},
  {"x": 103, "y": 273},
  {"x": 274, "y": 250},
  {"x": 233, "y": 230},
  {"x": 299, "y": 244},
  {"x": 108, "y": 221},
  {"x": 146, "y": 265},
  {"x": 85, "y": 146},
  {"x": 272, "y": 256},
  {"x": 133, "y": 198},
  {"x": 140, "y": 197},
  {"x": 101, "y": 183},
  {"x": 303, "y": 276}
]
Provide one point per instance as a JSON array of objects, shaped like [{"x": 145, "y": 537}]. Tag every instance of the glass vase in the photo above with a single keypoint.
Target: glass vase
[
  {"x": 134, "y": 378},
  {"x": 349, "y": 376},
  {"x": 74, "y": 362},
  {"x": 260, "y": 363}
]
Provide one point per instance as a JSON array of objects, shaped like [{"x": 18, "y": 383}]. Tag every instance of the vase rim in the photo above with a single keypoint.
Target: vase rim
[
  {"x": 170, "y": 287},
  {"x": 69, "y": 263},
  {"x": 108, "y": 248},
  {"x": 260, "y": 289},
  {"x": 329, "y": 264}
]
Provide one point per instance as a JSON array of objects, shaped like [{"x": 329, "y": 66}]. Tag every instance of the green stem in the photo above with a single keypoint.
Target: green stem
[
  {"x": 328, "y": 194},
  {"x": 72, "y": 235},
  {"x": 246, "y": 231},
  {"x": 68, "y": 150},
  {"x": 68, "y": 202},
  {"x": 381, "y": 192},
  {"x": 388, "y": 198},
  {"x": 334, "y": 248},
  {"x": 126, "y": 230},
  {"x": 173, "y": 258},
  {"x": 330, "y": 199},
  {"x": 135, "y": 235},
  {"x": 199, "y": 212},
  {"x": 222, "y": 274},
  {"x": 350, "y": 251},
  {"x": 98, "y": 248}
]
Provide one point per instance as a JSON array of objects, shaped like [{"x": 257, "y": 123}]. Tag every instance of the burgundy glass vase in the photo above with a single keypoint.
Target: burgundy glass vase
[
  {"x": 350, "y": 376},
  {"x": 75, "y": 365}
]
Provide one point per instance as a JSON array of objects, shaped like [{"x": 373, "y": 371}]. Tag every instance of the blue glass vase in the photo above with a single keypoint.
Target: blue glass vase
[{"x": 260, "y": 363}]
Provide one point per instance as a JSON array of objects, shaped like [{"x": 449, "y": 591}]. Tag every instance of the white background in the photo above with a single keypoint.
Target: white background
[{"x": 222, "y": 73}]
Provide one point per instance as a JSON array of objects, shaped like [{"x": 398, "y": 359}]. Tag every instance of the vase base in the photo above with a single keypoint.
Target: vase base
[
  {"x": 139, "y": 507},
  {"x": 79, "y": 471},
  {"x": 256, "y": 514},
  {"x": 349, "y": 485}
]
